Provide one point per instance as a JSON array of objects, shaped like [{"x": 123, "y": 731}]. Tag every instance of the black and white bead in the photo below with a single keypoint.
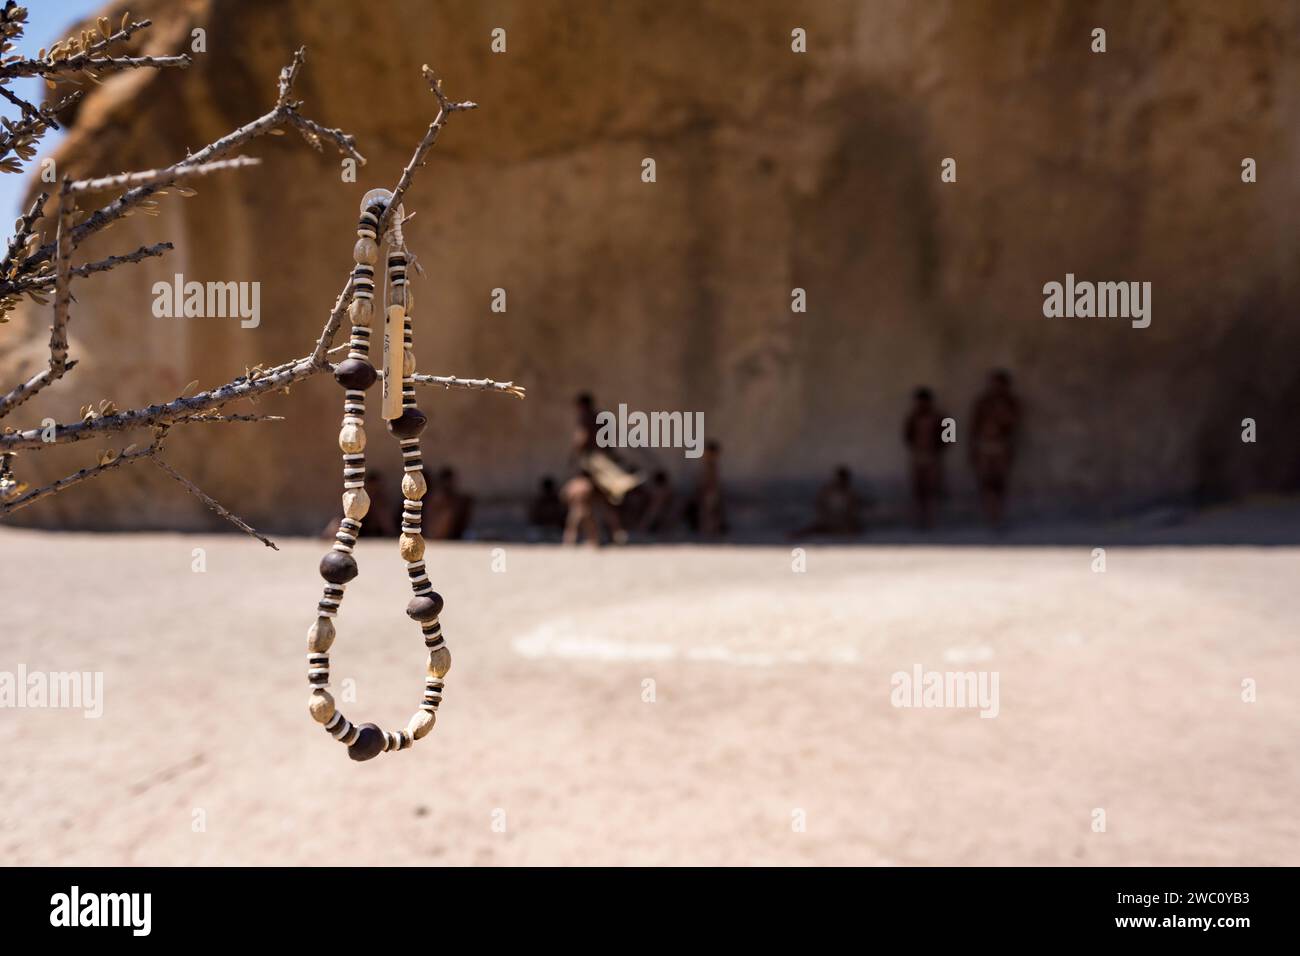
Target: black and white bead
[{"x": 432, "y": 695}]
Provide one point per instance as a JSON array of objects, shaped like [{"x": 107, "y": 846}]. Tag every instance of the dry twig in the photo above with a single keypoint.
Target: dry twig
[{"x": 27, "y": 271}]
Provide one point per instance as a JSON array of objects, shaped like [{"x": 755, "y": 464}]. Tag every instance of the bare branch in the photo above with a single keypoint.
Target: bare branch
[
  {"x": 62, "y": 299},
  {"x": 114, "y": 210},
  {"x": 31, "y": 276},
  {"x": 475, "y": 384},
  {"x": 313, "y": 132},
  {"x": 445, "y": 109},
  {"x": 162, "y": 414},
  {"x": 75, "y": 478},
  {"x": 90, "y": 268},
  {"x": 20, "y": 393},
  {"x": 229, "y": 418},
  {"x": 289, "y": 75},
  {"x": 23, "y": 230},
  {"x": 156, "y": 177},
  {"x": 212, "y": 503}
]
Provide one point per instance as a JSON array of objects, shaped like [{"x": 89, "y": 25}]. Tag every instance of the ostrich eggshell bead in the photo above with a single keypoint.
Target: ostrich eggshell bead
[
  {"x": 361, "y": 311},
  {"x": 421, "y": 723},
  {"x": 355, "y": 373},
  {"x": 369, "y": 743},
  {"x": 408, "y": 363},
  {"x": 439, "y": 662},
  {"x": 321, "y": 706},
  {"x": 352, "y": 439},
  {"x": 409, "y": 424},
  {"x": 320, "y": 637},
  {"x": 366, "y": 251},
  {"x": 337, "y": 567},
  {"x": 414, "y": 487},
  {"x": 425, "y": 607},
  {"x": 411, "y": 546},
  {"x": 355, "y": 503}
]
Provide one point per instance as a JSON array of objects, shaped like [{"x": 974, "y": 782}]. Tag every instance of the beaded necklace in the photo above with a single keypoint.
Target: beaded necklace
[{"x": 405, "y": 421}]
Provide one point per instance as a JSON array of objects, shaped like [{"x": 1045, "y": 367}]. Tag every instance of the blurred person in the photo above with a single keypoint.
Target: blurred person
[
  {"x": 995, "y": 423},
  {"x": 546, "y": 511},
  {"x": 658, "y": 516},
  {"x": 579, "y": 495},
  {"x": 838, "y": 507},
  {"x": 383, "y": 520},
  {"x": 923, "y": 437},
  {"x": 609, "y": 480},
  {"x": 705, "y": 512},
  {"x": 446, "y": 509}
]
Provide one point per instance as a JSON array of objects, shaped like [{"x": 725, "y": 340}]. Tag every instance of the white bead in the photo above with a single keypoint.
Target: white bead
[
  {"x": 420, "y": 724},
  {"x": 355, "y": 503},
  {"x": 414, "y": 486},
  {"x": 439, "y": 662},
  {"x": 321, "y": 706},
  {"x": 352, "y": 439},
  {"x": 361, "y": 311},
  {"x": 320, "y": 636},
  {"x": 366, "y": 251},
  {"x": 411, "y": 547}
]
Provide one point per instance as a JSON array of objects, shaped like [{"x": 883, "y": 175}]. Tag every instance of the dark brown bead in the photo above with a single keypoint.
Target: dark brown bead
[
  {"x": 355, "y": 373},
  {"x": 337, "y": 567},
  {"x": 425, "y": 607},
  {"x": 369, "y": 743},
  {"x": 409, "y": 424}
]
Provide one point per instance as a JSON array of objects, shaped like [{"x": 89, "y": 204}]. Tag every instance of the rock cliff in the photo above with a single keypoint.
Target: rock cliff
[{"x": 774, "y": 170}]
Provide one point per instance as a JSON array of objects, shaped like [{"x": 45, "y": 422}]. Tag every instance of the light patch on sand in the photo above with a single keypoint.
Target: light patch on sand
[{"x": 560, "y": 640}]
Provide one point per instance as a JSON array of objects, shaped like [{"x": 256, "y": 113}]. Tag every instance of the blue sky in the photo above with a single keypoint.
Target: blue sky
[{"x": 47, "y": 21}]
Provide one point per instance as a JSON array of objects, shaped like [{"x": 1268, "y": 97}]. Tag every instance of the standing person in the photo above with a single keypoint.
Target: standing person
[
  {"x": 995, "y": 422},
  {"x": 923, "y": 436},
  {"x": 657, "y": 518},
  {"x": 705, "y": 512}
]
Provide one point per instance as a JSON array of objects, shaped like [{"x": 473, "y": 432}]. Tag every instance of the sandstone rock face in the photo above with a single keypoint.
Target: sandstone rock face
[{"x": 775, "y": 170}]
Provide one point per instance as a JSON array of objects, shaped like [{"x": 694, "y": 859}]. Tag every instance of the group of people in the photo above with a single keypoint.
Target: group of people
[
  {"x": 992, "y": 431},
  {"x": 605, "y": 497}
]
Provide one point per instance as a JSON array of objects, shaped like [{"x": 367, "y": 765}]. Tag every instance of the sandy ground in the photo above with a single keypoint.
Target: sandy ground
[{"x": 771, "y": 706}]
